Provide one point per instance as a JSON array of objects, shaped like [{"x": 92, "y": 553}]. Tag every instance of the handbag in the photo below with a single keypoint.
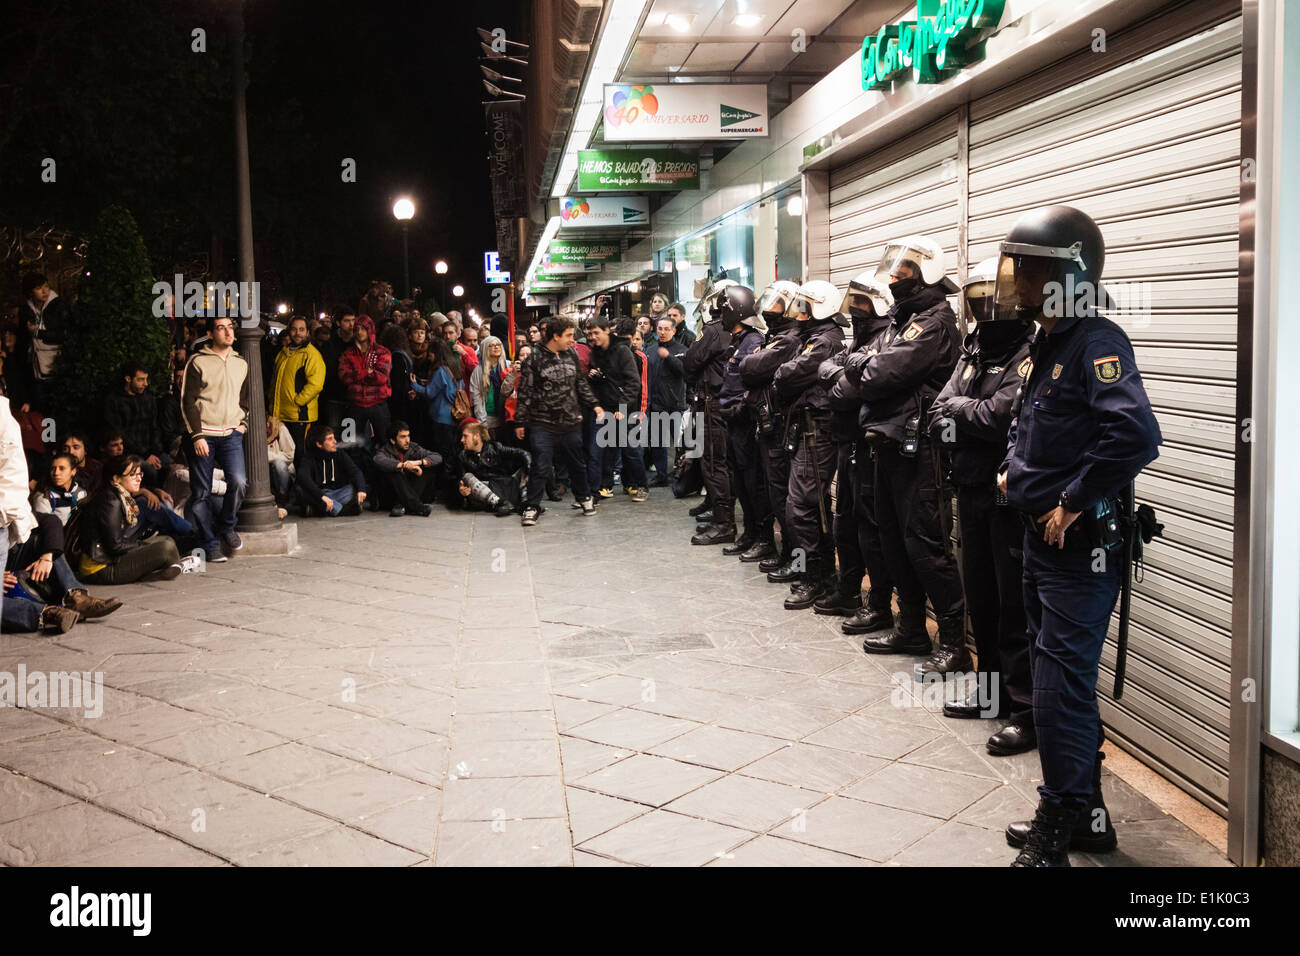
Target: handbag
[
  {"x": 687, "y": 477},
  {"x": 462, "y": 406}
]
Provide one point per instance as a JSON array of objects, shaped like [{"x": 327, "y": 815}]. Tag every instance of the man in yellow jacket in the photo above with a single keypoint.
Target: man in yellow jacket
[{"x": 299, "y": 378}]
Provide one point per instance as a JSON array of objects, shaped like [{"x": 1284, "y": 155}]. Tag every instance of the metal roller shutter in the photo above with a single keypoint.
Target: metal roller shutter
[{"x": 1150, "y": 149}]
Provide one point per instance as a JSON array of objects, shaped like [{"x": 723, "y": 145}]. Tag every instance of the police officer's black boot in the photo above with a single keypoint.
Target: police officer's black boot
[
  {"x": 1048, "y": 840},
  {"x": 773, "y": 561},
  {"x": 910, "y": 637},
  {"x": 818, "y": 581},
  {"x": 762, "y": 549},
  {"x": 951, "y": 656},
  {"x": 741, "y": 544},
  {"x": 1093, "y": 831},
  {"x": 722, "y": 531},
  {"x": 703, "y": 506},
  {"x": 790, "y": 572},
  {"x": 844, "y": 600},
  {"x": 870, "y": 618}
]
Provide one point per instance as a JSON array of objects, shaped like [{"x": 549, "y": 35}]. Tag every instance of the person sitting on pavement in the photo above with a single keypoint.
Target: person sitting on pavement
[
  {"x": 329, "y": 481},
  {"x": 280, "y": 448},
  {"x": 491, "y": 474},
  {"x": 408, "y": 469},
  {"x": 112, "y": 548},
  {"x": 88, "y": 469},
  {"x": 60, "y": 493},
  {"x": 43, "y": 572},
  {"x": 23, "y": 613}
]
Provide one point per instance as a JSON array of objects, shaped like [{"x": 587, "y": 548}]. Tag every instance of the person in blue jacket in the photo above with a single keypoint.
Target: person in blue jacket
[
  {"x": 1082, "y": 429},
  {"x": 436, "y": 383}
]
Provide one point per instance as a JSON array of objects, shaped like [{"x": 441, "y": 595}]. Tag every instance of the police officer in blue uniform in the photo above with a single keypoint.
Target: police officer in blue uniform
[{"x": 1083, "y": 429}]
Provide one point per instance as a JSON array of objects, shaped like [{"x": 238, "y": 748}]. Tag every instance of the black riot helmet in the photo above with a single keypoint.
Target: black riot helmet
[
  {"x": 1050, "y": 266},
  {"x": 734, "y": 305}
]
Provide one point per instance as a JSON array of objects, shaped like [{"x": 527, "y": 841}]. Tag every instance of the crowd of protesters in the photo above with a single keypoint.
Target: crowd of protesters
[{"x": 377, "y": 407}]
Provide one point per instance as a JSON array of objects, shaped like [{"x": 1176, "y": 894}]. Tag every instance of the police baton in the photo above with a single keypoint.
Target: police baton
[
  {"x": 1128, "y": 526},
  {"x": 812, "y": 453}
]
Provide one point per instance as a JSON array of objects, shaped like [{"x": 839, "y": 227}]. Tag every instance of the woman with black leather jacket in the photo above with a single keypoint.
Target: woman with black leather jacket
[{"x": 112, "y": 552}]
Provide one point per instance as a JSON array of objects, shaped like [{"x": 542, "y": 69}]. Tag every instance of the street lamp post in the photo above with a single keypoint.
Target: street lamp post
[
  {"x": 440, "y": 267},
  {"x": 403, "y": 210}
]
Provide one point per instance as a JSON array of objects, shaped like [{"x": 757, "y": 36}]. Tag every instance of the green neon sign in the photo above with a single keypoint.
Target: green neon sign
[{"x": 937, "y": 45}]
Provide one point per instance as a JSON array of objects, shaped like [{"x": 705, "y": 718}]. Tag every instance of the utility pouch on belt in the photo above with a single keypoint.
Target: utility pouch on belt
[
  {"x": 1103, "y": 526},
  {"x": 793, "y": 432},
  {"x": 911, "y": 437},
  {"x": 770, "y": 420}
]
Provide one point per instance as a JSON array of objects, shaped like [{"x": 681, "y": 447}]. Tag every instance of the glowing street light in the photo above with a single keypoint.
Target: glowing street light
[
  {"x": 403, "y": 210},
  {"x": 458, "y": 290}
]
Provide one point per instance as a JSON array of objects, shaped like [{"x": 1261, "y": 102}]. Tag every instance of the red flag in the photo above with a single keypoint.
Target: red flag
[{"x": 510, "y": 323}]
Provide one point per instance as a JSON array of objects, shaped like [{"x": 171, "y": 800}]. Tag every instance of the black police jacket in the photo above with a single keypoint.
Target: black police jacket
[
  {"x": 618, "y": 382},
  {"x": 1082, "y": 423},
  {"x": 845, "y": 397},
  {"x": 759, "y": 368},
  {"x": 972, "y": 414},
  {"x": 706, "y": 359},
  {"x": 798, "y": 382},
  {"x": 917, "y": 354},
  {"x": 733, "y": 394}
]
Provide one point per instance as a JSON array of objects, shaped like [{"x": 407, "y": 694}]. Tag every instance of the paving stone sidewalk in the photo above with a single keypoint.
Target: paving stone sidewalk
[{"x": 460, "y": 691}]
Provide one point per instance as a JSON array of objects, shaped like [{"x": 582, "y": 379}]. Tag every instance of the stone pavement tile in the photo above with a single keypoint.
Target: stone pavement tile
[
  {"x": 525, "y": 725},
  {"x": 691, "y": 703},
  {"x": 749, "y": 681},
  {"x": 235, "y": 820},
  {"x": 353, "y": 793},
  {"x": 593, "y": 642},
  {"x": 61, "y": 836},
  {"x": 213, "y": 744},
  {"x": 581, "y": 757},
  {"x": 519, "y": 843},
  {"x": 570, "y": 712},
  {"x": 505, "y": 758},
  {"x": 244, "y": 703},
  {"x": 21, "y": 796},
  {"x": 998, "y": 808},
  {"x": 812, "y": 660},
  {"x": 86, "y": 766},
  {"x": 282, "y": 766},
  {"x": 958, "y": 844},
  {"x": 591, "y": 814},
  {"x": 839, "y": 695},
  {"x": 769, "y": 851},
  {"x": 177, "y": 686},
  {"x": 861, "y": 829},
  {"x": 718, "y": 748},
  {"x": 905, "y": 711},
  {"x": 779, "y": 719},
  {"x": 1165, "y": 842},
  {"x": 523, "y": 651},
  {"x": 17, "y": 724},
  {"x": 666, "y": 839},
  {"x": 496, "y": 673},
  {"x": 646, "y": 779},
  {"x": 148, "y": 848},
  {"x": 1125, "y": 804},
  {"x": 503, "y": 699},
  {"x": 607, "y": 689},
  {"x": 412, "y": 825},
  {"x": 424, "y": 763},
  {"x": 642, "y": 643},
  {"x": 746, "y": 802},
  {"x": 948, "y": 753},
  {"x": 813, "y": 768},
  {"x": 877, "y": 738},
  {"x": 865, "y": 669},
  {"x": 632, "y": 729},
  {"x": 341, "y": 846},
  {"x": 502, "y": 798},
  {"x": 939, "y": 793},
  {"x": 370, "y": 738},
  {"x": 590, "y": 859}
]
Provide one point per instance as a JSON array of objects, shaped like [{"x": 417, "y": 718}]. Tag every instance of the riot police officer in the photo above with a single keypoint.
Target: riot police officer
[
  {"x": 808, "y": 433},
  {"x": 898, "y": 384},
  {"x": 736, "y": 311},
  {"x": 857, "y": 538},
  {"x": 756, "y": 373},
  {"x": 1082, "y": 430},
  {"x": 705, "y": 362},
  {"x": 971, "y": 418}
]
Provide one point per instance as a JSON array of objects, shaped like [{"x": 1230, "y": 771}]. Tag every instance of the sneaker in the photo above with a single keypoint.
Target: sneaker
[
  {"x": 530, "y": 517},
  {"x": 398, "y": 512},
  {"x": 605, "y": 494},
  {"x": 216, "y": 557},
  {"x": 190, "y": 564},
  {"x": 504, "y": 509},
  {"x": 169, "y": 573},
  {"x": 638, "y": 494},
  {"x": 588, "y": 507},
  {"x": 232, "y": 540}
]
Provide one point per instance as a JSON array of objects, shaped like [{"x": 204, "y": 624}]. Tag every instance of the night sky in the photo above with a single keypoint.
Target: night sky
[{"x": 132, "y": 116}]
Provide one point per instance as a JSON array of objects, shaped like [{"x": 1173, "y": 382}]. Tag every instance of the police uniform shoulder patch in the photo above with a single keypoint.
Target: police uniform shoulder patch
[
  {"x": 912, "y": 331},
  {"x": 1057, "y": 370},
  {"x": 773, "y": 344},
  {"x": 809, "y": 348},
  {"x": 1107, "y": 368},
  {"x": 1026, "y": 367},
  {"x": 967, "y": 373}
]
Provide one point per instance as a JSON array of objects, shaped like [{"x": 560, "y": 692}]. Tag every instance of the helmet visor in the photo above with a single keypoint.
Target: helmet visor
[
  {"x": 978, "y": 297},
  {"x": 901, "y": 261},
  {"x": 1026, "y": 285},
  {"x": 773, "y": 301},
  {"x": 863, "y": 302}
]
